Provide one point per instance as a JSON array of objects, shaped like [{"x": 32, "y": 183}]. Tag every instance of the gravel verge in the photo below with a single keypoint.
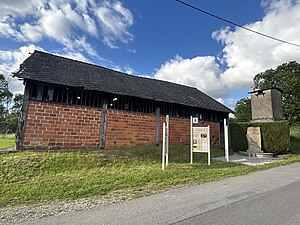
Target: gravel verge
[{"x": 24, "y": 213}]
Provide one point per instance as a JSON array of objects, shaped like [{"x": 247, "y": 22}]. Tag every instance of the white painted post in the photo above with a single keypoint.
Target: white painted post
[
  {"x": 226, "y": 140},
  {"x": 191, "y": 140},
  {"x": 167, "y": 140},
  {"x": 164, "y": 146},
  {"x": 208, "y": 145}
]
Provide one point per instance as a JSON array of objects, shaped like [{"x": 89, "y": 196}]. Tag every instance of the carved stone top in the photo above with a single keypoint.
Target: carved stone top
[{"x": 266, "y": 105}]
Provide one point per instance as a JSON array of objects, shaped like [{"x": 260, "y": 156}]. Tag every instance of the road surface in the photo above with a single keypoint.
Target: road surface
[{"x": 264, "y": 197}]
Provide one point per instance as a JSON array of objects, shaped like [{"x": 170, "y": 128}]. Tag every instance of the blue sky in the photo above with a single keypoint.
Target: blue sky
[{"x": 160, "y": 39}]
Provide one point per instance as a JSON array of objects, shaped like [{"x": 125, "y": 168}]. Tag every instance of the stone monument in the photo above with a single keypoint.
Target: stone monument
[
  {"x": 254, "y": 141},
  {"x": 265, "y": 107}
]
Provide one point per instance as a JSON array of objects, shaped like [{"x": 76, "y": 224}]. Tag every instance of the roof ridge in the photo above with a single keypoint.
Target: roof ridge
[
  {"x": 121, "y": 73},
  {"x": 50, "y": 68}
]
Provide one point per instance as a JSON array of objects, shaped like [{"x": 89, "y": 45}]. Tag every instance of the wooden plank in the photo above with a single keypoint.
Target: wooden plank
[
  {"x": 23, "y": 117},
  {"x": 103, "y": 125},
  {"x": 40, "y": 89},
  {"x": 157, "y": 132}
]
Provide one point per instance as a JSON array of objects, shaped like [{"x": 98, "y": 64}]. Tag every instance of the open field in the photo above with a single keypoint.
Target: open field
[
  {"x": 34, "y": 177},
  {"x": 7, "y": 142}
]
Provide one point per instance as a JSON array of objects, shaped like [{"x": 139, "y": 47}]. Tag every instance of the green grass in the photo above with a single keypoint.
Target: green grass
[
  {"x": 7, "y": 142},
  {"x": 34, "y": 177},
  {"x": 295, "y": 138}
]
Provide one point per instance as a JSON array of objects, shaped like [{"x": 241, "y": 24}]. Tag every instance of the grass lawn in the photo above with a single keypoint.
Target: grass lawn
[
  {"x": 33, "y": 177},
  {"x": 7, "y": 142}
]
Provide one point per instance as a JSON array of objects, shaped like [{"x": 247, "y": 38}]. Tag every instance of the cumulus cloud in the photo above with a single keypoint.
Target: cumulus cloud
[
  {"x": 197, "y": 72},
  {"x": 244, "y": 54},
  {"x": 60, "y": 20},
  {"x": 115, "y": 21},
  {"x": 10, "y": 61}
]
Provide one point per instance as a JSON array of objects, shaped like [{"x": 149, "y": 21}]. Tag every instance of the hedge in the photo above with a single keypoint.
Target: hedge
[{"x": 275, "y": 135}]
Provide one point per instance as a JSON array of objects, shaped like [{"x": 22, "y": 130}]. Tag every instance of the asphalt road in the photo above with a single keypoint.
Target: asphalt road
[
  {"x": 277, "y": 207},
  {"x": 266, "y": 197}
]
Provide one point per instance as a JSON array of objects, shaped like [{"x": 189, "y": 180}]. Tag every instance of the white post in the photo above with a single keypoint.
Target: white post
[
  {"x": 164, "y": 146},
  {"x": 191, "y": 140},
  {"x": 167, "y": 140},
  {"x": 208, "y": 145},
  {"x": 226, "y": 140}
]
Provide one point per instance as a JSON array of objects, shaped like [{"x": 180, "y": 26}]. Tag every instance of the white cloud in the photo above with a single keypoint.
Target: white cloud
[
  {"x": 32, "y": 32},
  {"x": 10, "y": 61},
  {"x": 244, "y": 54},
  {"x": 74, "y": 55},
  {"x": 200, "y": 72},
  {"x": 247, "y": 54},
  {"x": 66, "y": 21},
  {"x": 221, "y": 100},
  {"x": 115, "y": 21}
]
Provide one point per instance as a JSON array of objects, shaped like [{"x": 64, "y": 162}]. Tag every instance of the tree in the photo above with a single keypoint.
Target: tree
[
  {"x": 9, "y": 107},
  {"x": 5, "y": 96},
  {"x": 242, "y": 110},
  {"x": 287, "y": 78},
  {"x": 17, "y": 103}
]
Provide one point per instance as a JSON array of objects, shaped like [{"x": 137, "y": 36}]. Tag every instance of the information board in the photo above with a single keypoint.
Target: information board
[{"x": 200, "y": 139}]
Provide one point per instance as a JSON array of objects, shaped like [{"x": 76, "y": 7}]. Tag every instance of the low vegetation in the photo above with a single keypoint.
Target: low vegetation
[
  {"x": 295, "y": 139},
  {"x": 7, "y": 141},
  {"x": 34, "y": 177},
  {"x": 275, "y": 136}
]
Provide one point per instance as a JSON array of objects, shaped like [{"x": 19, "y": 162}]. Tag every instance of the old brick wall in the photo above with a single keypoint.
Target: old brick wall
[
  {"x": 50, "y": 125},
  {"x": 180, "y": 130},
  {"x": 132, "y": 129}
]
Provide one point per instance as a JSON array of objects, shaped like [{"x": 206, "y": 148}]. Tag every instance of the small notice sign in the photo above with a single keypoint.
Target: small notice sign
[
  {"x": 200, "y": 139},
  {"x": 195, "y": 120}
]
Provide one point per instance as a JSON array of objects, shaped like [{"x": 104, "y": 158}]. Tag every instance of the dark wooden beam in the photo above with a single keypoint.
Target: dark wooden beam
[
  {"x": 23, "y": 117},
  {"x": 157, "y": 132},
  {"x": 103, "y": 125}
]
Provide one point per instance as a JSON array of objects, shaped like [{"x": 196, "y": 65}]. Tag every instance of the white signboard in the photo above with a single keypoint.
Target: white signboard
[{"x": 200, "y": 140}]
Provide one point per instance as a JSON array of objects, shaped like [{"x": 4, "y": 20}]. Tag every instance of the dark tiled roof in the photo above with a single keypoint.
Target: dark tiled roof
[{"x": 53, "y": 69}]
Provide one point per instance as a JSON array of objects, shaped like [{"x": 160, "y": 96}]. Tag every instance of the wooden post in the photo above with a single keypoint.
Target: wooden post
[
  {"x": 191, "y": 138},
  {"x": 226, "y": 140},
  {"x": 115, "y": 137},
  {"x": 167, "y": 139},
  {"x": 164, "y": 146},
  {"x": 103, "y": 125},
  {"x": 157, "y": 137},
  {"x": 208, "y": 147},
  {"x": 23, "y": 117}
]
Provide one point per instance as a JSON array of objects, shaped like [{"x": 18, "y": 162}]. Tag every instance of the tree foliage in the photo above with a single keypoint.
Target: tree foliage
[
  {"x": 9, "y": 107},
  {"x": 242, "y": 110},
  {"x": 287, "y": 78}
]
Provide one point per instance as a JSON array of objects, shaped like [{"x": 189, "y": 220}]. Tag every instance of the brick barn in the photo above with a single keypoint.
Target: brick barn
[{"x": 72, "y": 104}]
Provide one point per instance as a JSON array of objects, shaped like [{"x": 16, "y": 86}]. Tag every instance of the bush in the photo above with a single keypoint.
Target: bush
[{"x": 275, "y": 136}]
